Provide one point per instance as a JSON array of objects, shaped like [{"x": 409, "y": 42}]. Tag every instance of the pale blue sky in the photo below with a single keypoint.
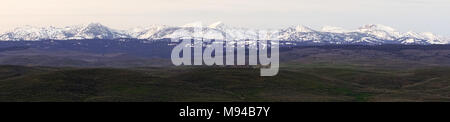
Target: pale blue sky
[{"x": 418, "y": 15}]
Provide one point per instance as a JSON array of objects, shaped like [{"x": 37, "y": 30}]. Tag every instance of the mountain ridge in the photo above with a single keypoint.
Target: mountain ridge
[{"x": 366, "y": 34}]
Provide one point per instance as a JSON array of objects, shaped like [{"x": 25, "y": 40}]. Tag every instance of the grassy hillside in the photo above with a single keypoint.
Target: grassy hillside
[{"x": 295, "y": 82}]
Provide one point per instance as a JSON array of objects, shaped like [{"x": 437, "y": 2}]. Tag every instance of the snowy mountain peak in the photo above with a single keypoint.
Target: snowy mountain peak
[
  {"x": 144, "y": 32},
  {"x": 412, "y": 34},
  {"x": 430, "y": 36},
  {"x": 96, "y": 27},
  {"x": 197, "y": 24},
  {"x": 302, "y": 28},
  {"x": 376, "y": 27},
  {"x": 217, "y": 25},
  {"x": 24, "y": 33},
  {"x": 333, "y": 29},
  {"x": 95, "y": 30},
  {"x": 380, "y": 31},
  {"x": 433, "y": 39},
  {"x": 95, "y": 24}
]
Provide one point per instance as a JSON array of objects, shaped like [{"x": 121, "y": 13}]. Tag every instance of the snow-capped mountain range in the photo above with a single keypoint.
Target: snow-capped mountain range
[{"x": 367, "y": 34}]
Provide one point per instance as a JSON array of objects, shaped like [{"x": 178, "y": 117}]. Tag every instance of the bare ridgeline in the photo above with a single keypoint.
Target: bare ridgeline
[{"x": 127, "y": 69}]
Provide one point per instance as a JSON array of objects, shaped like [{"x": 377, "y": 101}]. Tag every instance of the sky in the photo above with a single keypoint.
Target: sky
[{"x": 404, "y": 15}]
